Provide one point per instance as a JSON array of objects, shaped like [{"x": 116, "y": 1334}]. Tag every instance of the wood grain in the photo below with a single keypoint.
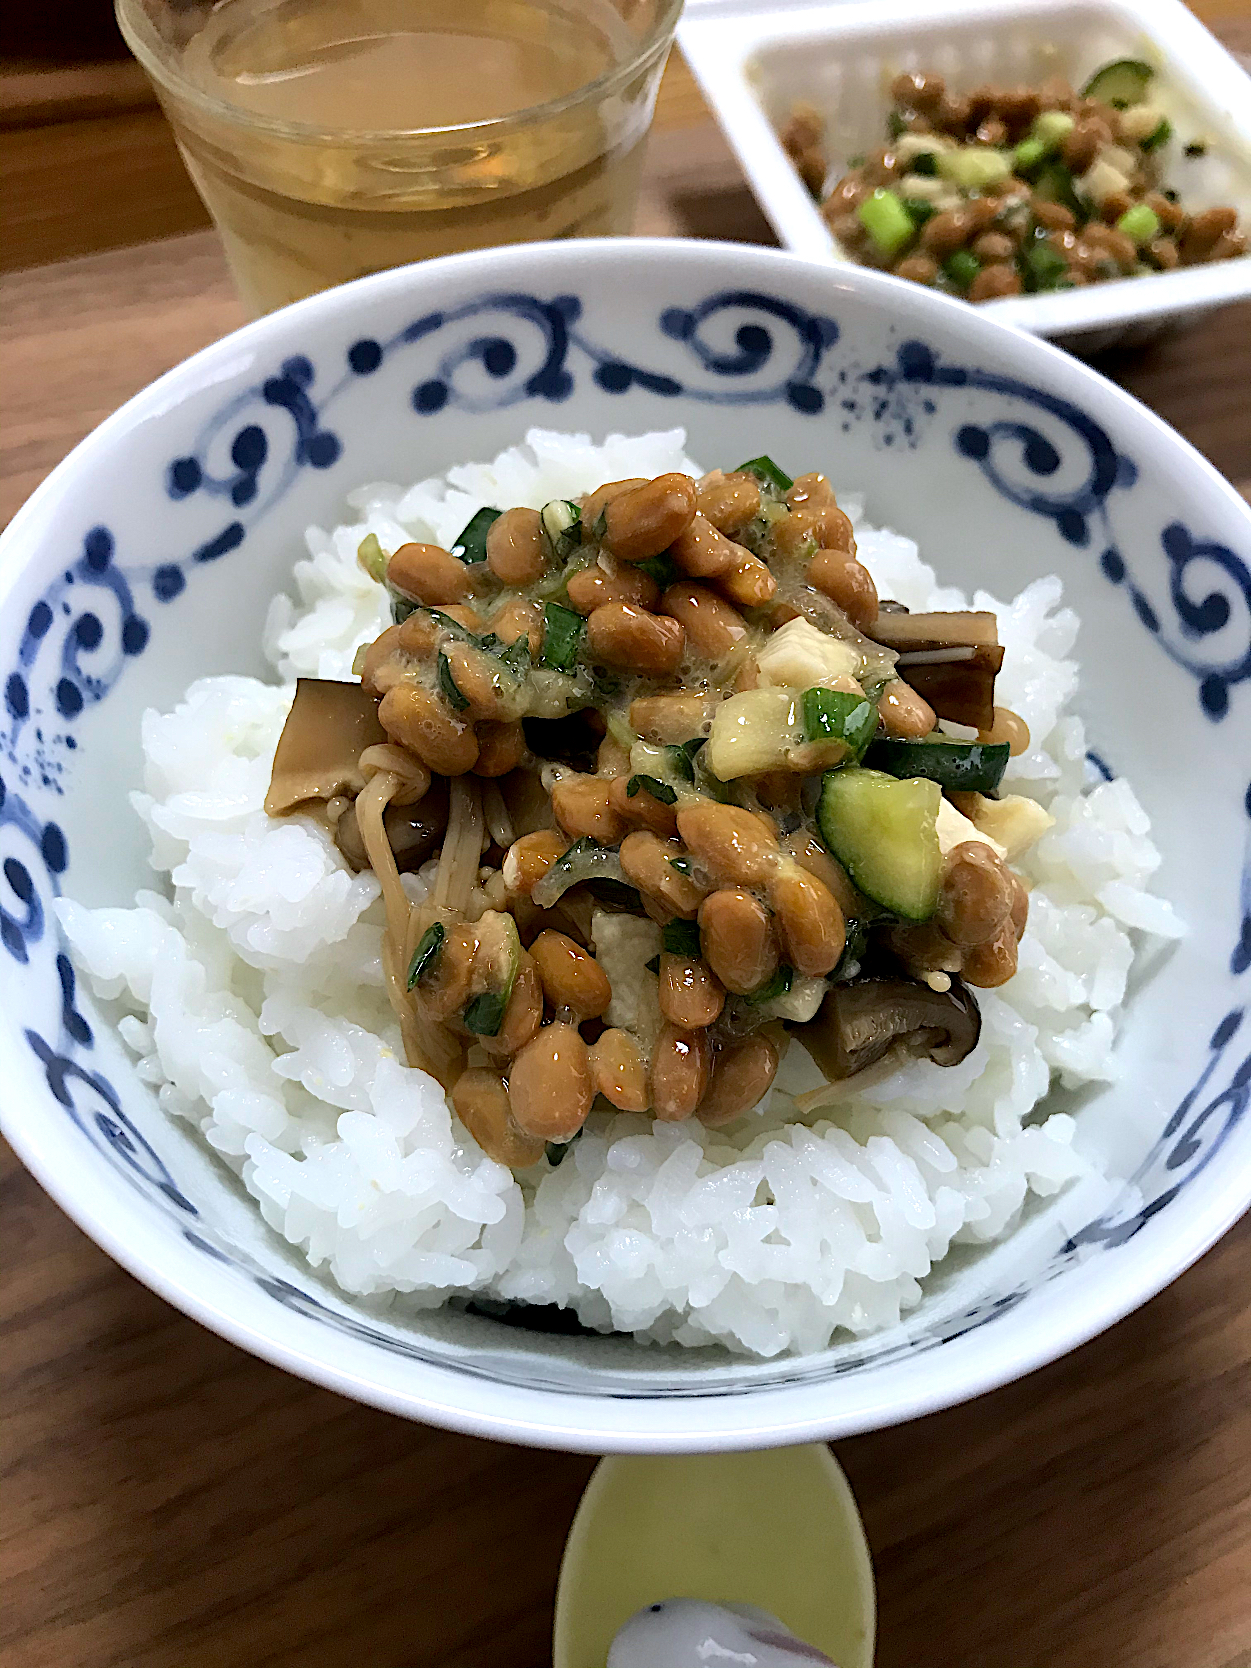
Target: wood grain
[{"x": 168, "y": 1502}]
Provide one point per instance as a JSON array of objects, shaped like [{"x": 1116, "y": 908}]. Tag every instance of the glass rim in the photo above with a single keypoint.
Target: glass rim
[{"x": 658, "y": 37}]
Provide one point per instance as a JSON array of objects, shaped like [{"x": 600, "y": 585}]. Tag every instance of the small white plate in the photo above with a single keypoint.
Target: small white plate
[
  {"x": 778, "y": 1529},
  {"x": 754, "y": 61}
]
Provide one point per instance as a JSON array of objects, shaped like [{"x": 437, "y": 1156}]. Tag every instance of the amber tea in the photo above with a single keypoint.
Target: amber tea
[{"x": 333, "y": 138}]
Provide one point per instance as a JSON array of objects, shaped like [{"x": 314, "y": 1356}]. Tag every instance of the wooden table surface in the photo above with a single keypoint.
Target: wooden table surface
[{"x": 168, "y": 1502}]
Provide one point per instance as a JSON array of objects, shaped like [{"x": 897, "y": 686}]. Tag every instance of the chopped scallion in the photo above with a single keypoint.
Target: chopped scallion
[
  {"x": 886, "y": 220},
  {"x": 658, "y": 789},
  {"x": 962, "y": 268},
  {"x": 661, "y": 568},
  {"x": 1043, "y": 267},
  {"x": 470, "y": 545},
  {"x": 1139, "y": 223},
  {"x": 562, "y": 526},
  {"x": 372, "y": 557},
  {"x": 766, "y": 472},
  {"x": 1028, "y": 154},
  {"x": 563, "y": 631},
  {"x": 485, "y": 1014},
  {"x": 447, "y": 683},
  {"x": 681, "y": 938},
  {"x": 427, "y": 952},
  {"x": 772, "y": 988}
]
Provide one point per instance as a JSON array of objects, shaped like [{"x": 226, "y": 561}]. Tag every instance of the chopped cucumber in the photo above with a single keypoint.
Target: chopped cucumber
[
  {"x": 884, "y": 833},
  {"x": 920, "y": 209},
  {"x": 586, "y": 861},
  {"x": 925, "y": 163},
  {"x": 767, "y": 473},
  {"x": 496, "y": 961},
  {"x": 834, "y": 715},
  {"x": 751, "y": 732},
  {"x": 470, "y": 546},
  {"x": 974, "y": 167},
  {"x": 427, "y": 952},
  {"x": 957, "y": 766},
  {"x": 1122, "y": 82},
  {"x": 563, "y": 631},
  {"x": 886, "y": 220},
  {"x": 1052, "y": 128},
  {"x": 1159, "y": 135}
]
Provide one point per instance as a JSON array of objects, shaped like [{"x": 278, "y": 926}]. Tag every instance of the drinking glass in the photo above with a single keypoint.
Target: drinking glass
[{"x": 334, "y": 138}]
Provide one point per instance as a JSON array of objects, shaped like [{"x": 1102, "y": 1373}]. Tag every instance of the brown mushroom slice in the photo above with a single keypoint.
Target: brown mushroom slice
[
  {"x": 950, "y": 659},
  {"x": 414, "y": 832},
  {"x": 859, "y": 1021},
  {"x": 959, "y": 683},
  {"x": 906, "y": 633},
  {"x": 328, "y": 728}
]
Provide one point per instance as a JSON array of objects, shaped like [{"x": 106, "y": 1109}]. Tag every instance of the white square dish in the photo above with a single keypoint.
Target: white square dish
[{"x": 755, "y": 61}]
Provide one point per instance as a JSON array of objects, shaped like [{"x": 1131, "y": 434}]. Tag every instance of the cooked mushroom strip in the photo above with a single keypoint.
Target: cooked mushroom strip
[
  {"x": 318, "y": 755},
  {"x": 860, "y": 1021},
  {"x": 950, "y": 660},
  {"x": 413, "y": 831}
]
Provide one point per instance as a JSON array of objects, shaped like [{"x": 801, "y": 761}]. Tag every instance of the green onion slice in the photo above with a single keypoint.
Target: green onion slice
[
  {"x": 658, "y": 789},
  {"x": 563, "y": 631},
  {"x": 485, "y": 1014},
  {"x": 427, "y": 953},
  {"x": 470, "y": 546},
  {"x": 766, "y": 472},
  {"x": 886, "y": 220},
  {"x": 772, "y": 988},
  {"x": 681, "y": 938},
  {"x": 562, "y": 526},
  {"x": 447, "y": 683},
  {"x": 372, "y": 557}
]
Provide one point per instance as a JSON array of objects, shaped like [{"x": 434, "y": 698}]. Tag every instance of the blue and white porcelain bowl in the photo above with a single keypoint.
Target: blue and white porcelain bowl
[{"x": 148, "y": 558}]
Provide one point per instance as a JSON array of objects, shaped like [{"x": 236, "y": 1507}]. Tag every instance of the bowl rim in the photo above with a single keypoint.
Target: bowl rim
[
  {"x": 721, "y": 38},
  {"x": 597, "y": 1421}
]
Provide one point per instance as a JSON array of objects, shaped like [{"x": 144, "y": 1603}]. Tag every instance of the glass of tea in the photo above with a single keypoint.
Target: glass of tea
[{"x": 332, "y": 138}]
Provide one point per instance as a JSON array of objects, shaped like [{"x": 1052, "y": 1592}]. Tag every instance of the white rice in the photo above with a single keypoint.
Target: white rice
[{"x": 252, "y": 995}]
